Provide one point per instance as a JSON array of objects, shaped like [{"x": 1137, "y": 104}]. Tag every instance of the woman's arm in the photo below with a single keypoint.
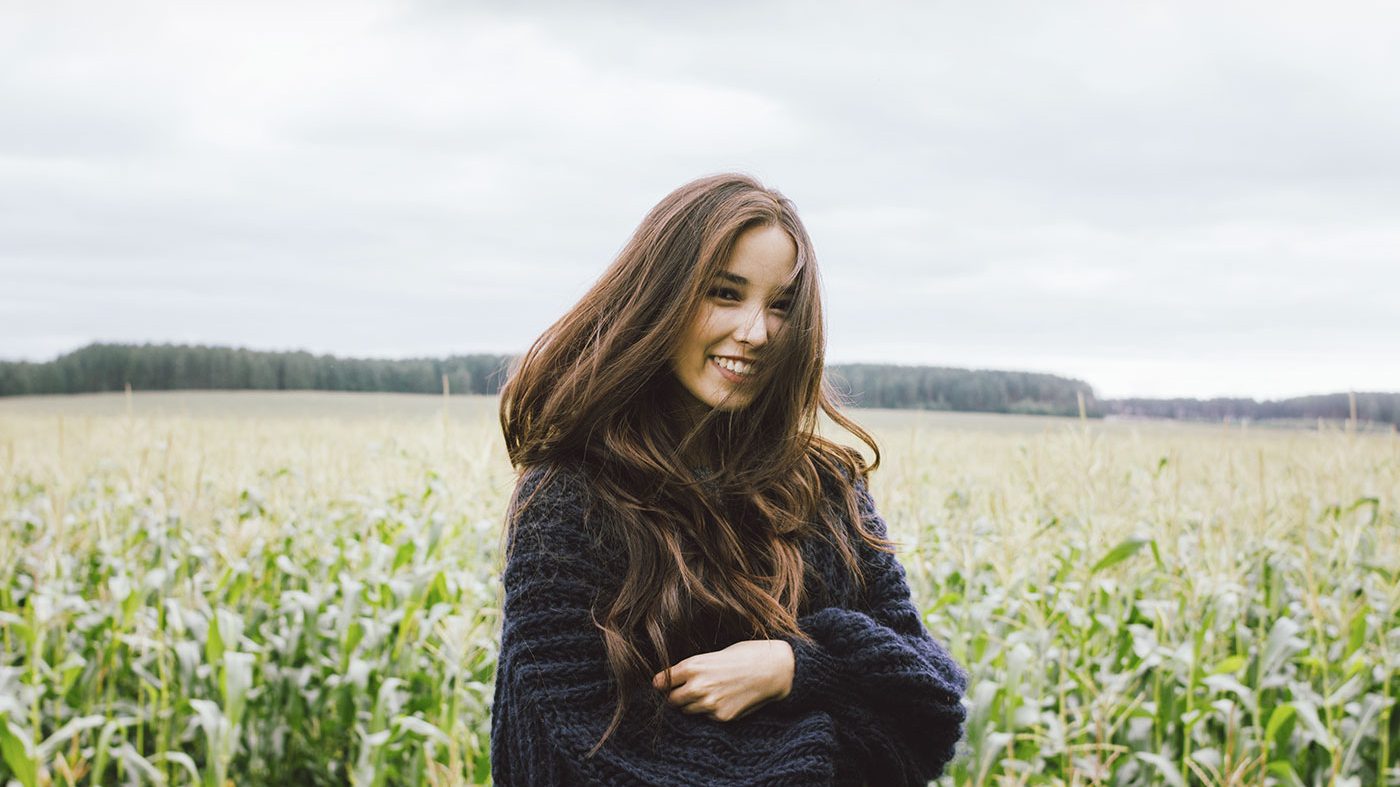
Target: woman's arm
[
  {"x": 555, "y": 689},
  {"x": 895, "y": 692}
]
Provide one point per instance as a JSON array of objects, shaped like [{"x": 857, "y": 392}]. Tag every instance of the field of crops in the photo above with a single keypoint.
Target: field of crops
[{"x": 302, "y": 589}]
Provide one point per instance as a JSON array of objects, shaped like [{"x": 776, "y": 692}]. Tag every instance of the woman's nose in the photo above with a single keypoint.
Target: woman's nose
[{"x": 753, "y": 328}]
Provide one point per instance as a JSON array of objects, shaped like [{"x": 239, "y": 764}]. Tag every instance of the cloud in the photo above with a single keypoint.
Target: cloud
[{"x": 1101, "y": 186}]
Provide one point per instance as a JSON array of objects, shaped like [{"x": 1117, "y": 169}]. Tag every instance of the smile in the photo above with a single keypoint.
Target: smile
[{"x": 732, "y": 370}]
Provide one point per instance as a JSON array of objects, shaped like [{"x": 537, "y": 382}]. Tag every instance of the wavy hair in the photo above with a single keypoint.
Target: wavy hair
[{"x": 710, "y": 550}]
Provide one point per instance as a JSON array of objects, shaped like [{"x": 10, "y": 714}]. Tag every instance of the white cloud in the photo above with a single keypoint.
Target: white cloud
[{"x": 1177, "y": 198}]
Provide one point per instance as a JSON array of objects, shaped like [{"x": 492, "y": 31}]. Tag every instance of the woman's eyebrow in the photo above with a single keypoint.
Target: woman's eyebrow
[{"x": 741, "y": 281}]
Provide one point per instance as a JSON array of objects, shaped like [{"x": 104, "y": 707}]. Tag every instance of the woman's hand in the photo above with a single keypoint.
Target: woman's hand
[{"x": 731, "y": 683}]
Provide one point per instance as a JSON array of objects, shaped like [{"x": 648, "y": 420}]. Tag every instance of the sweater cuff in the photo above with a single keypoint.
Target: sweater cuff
[{"x": 814, "y": 674}]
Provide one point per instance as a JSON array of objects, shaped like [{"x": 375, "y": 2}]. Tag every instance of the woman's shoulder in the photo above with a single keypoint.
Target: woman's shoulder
[
  {"x": 838, "y": 481},
  {"x": 552, "y": 509},
  {"x": 560, "y": 481}
]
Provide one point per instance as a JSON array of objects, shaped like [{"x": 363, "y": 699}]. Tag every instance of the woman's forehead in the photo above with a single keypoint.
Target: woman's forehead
[{"x": 763, "y": 257}]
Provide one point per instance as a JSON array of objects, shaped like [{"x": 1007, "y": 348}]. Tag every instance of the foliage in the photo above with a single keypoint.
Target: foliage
[
  {"x": 1195, "y": 608},
  {"x": 173, "y": 614},
  {"x": 1373, "y": 407},
  {"x": 265, "y": 600},
  {"x": 964, "y": 390},
  {"x": 111, "y": 367}
]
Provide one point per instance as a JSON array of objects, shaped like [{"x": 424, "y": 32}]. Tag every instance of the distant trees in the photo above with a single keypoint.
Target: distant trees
[
  {"x": 164, "y": 367},
  {"x": 1374, "y": 407},
  {"x": 941, "y": 388},
  {"x": 109, "y": 367}
]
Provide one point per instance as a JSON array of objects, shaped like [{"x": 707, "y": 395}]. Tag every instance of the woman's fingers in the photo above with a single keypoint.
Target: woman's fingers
[
  {"x": 685, "y": 695},
  {"x": 679, "y": 675},
  {"x": 725, "y": 685}
]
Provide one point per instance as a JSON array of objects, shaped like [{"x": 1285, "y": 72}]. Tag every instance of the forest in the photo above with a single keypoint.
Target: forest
[{"x": 163, "y": 367}]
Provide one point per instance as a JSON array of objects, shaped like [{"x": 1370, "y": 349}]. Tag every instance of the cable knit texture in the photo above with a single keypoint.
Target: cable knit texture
[{"x": 874, "y": 698}]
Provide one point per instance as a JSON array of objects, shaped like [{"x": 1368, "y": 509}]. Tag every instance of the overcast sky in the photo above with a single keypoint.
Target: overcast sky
[{"x": 1157, "y": 198}]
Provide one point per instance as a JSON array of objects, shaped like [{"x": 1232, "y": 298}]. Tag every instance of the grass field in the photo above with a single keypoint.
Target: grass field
[{"x": 205, "y": 588}]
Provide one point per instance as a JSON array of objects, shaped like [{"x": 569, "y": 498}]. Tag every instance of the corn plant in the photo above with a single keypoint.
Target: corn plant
[{"x": 252, "y": 595}]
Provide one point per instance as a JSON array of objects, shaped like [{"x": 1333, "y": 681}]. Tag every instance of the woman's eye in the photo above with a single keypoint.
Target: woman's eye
[
  {"x": 782, "y": 306},
  {"x": 725, "y": 293}
]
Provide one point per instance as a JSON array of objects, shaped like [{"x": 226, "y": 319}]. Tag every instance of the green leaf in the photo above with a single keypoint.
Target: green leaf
[
  {"x": 135, "y": 763},
  {"x": 18, "y": 752},
  {"x": 1164, "y": 766},
  {"x": 214, "y": 645},
  {"x": 72, "y": 729},
  {"x": 1277, "y": 719},
  {"x": 1307, "y": 716},
  {"x": 353, "y": 635},
  {"x": 23, "y": 629},
  {"x": 437, "y": 591},
  {"x": 1119, "y": 553},
  {"x": 405, "y": 555},
  {"x": 1157, "y": 555},
  {"x": 237, "y": 680},
  {"x": 1280, "y": 646},
  {"x": 237, "y": 587},
  {"x": 944, "y": 600},
  {"x": 70, "y": 670},
  {"x": 1356, "y": 637},
  {"x": 1284, "y": 770},
  {"x": 1231, "y": 664},
  {"x": 104, "y": 744},
  {"x": 181, "y": 759}
]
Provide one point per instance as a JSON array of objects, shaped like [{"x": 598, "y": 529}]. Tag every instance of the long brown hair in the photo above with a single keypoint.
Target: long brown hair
[{"x": 716, "y": 544}]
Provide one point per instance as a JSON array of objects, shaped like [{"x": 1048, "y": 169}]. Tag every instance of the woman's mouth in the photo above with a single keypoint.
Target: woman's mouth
[{"x": 732, "y": 370}]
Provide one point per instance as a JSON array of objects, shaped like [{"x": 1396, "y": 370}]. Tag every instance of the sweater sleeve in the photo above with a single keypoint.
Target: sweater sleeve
[
  {"x": 555, "y": 690},
  {"x": 894, "y": 691}
]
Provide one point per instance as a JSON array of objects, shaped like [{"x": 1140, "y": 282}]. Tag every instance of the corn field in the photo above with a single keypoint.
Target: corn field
[{"x": 231, "y": 589}]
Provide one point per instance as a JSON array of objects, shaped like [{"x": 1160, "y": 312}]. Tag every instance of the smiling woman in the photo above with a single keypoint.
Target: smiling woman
[
  {"x": 747, "y": 303},
  {"x": 698, "y": 589}
]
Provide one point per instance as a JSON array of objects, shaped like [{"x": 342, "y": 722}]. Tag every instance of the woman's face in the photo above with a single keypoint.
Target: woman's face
[{"x": 743, "y": 308}]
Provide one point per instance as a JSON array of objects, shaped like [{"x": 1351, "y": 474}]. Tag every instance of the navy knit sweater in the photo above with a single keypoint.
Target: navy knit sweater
[{"x": 874, "y": 700}]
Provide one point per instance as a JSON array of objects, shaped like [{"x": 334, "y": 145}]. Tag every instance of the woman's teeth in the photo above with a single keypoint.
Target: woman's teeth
[{"x": 737, "y": 367}]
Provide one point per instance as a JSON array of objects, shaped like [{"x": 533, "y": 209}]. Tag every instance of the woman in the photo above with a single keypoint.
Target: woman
[{"x": 698, "y": 589}]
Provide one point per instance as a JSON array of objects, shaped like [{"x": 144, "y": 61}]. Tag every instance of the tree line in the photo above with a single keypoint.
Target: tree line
[
  {"x": 1375, "y": 407},
  {"x": 165, "y": 367},
  {"x": 968, "y": 390}
]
